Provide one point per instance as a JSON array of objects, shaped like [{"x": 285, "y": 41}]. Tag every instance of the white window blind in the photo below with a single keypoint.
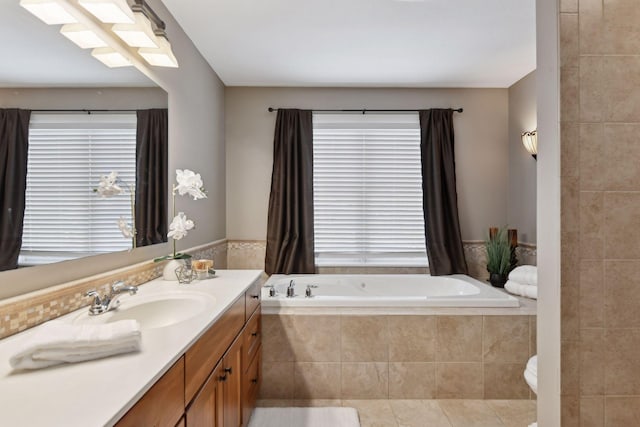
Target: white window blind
[
  {"x": 68, "y": 153},
  {"x": 368, "y": 190}
]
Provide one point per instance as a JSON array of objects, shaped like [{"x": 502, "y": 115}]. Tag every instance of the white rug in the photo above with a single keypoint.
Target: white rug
[{"x": 304, "y": 417}]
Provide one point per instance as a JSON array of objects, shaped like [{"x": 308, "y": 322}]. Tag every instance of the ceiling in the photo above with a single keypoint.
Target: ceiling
[
  {"x": 410, "y": 43},
  {"x": 37, "y": 55}
]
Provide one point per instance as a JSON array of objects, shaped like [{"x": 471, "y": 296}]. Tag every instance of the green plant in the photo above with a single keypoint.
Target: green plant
[{"x": 498, "y": 253}]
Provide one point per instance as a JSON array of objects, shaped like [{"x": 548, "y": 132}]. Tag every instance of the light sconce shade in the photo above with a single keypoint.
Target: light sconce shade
[
  {"x": 82, "y": 36},
  {"x": 110, "y": 57},
  {"x": 49, "y": 11},
  {"x": 139, "y": 34},
  {"x": 530, "y": 142},
  {"x": 109, "y": 11},
  {"x": 161, "y": 56}
]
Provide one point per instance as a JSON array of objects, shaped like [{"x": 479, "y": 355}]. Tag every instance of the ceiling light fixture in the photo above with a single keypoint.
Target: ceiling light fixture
[
  {"x": 110, "y": 57},
  {"x": 161, "y": 56},
  {"x": 530, "y": 142},
  {"x": 50, "y": 12},
  {"x": 109, "y": 11},
  {"x": 136, "y": 24},
  {"x": 82, "y": 36},
  {"x": 139, "y": 34}
]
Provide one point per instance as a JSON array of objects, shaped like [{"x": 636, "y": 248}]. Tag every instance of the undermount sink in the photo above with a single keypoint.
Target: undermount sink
[{"x": 153, "y": 311}]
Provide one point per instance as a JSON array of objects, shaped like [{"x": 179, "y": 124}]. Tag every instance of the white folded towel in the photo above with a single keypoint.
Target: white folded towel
[
  {"x": 525, "y": 275},
  {"x": 57, "y": 342},
  {"x": 519, "y": 289}
]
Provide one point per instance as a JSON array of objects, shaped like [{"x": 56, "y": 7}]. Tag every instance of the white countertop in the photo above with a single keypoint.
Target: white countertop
[{"x": 100, "y": 392}]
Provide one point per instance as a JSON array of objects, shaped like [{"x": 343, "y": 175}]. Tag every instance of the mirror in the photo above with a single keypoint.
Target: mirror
[{"x": 45, "y": 72}]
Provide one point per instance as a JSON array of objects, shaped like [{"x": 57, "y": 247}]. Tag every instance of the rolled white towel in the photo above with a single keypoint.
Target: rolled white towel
[
  {"x": 525, "y": 274},
  {"x": 57, "y": 342},
  {"x": 521, "y": 290},
  {"x": 531, "y": 373}
]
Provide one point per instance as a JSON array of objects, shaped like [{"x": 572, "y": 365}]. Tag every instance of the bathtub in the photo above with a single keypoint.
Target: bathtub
[{"x": 383, "y": 290}]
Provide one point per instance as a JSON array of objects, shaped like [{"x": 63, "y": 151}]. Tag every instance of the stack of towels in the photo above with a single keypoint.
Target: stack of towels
[
  {"x": 523, "y": 281},
  {"x": 57, "y": 342}
]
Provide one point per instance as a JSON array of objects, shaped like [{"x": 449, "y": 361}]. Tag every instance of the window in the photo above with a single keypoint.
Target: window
[
  {"x": 64, "y": 218},
  {"x": 368, "y": 190}
]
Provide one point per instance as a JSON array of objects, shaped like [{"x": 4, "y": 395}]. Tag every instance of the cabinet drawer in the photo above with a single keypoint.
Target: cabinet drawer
[
  {"x": 252, "y": 338},
  {"x": 203, "y": 356},
  {"x": 252, "y": 299},
  {"x": 252, "y": 380},
  {"x": 163, "y": 404}
]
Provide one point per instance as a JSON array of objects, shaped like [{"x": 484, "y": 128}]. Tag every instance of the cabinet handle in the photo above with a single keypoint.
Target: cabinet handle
[
  {"x": 255, "y": 296},
  {"x": 223, "y": 378},
  {"x": 254, "y": 334},
  {"x": 228, "y": 370},
  {"x": 254, "y": 380}
]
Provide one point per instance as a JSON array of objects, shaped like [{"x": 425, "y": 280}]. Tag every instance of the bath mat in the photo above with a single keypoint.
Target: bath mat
[{"x": 304, "y": 417}]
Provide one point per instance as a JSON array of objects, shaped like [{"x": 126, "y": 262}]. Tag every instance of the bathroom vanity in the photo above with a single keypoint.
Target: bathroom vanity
[{"x": 201, "y": 368}]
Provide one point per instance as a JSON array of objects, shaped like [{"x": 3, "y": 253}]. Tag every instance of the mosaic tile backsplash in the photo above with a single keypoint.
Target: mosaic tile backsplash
[
  {"x": 28, "y": 310},
  {"x": 31, "y": 309}
]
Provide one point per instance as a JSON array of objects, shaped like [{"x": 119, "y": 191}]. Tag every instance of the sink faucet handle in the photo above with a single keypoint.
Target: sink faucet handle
[
  {"x": 95, "y": 295},
  {"x": 121, "y": 286}
]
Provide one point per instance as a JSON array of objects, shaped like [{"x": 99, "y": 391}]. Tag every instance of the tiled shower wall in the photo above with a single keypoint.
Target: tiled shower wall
[
  {"x": 396, "y": 357},
  {"x": 249, "y": 254},
  {"x": 600, "y": 123},
  {"x": 28, "y": 310}
]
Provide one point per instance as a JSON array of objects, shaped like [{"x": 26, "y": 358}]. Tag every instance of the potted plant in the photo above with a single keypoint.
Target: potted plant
[{"x": 498, "y": 257}]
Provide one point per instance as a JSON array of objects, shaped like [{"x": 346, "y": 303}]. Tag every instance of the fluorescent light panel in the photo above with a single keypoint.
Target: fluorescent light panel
[
  {"x": 49, "y": 11},
  {"x": 82, "y": 36},
  {"x": 109, "y": 11},
  {"x": 139, "y": 34},
  {"x": 110, "y": 57}
]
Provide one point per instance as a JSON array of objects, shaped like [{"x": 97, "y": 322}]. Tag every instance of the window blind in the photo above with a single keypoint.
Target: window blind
[
  {"x": 368, "y": 190},
  {"x": 68, "y": 153}
]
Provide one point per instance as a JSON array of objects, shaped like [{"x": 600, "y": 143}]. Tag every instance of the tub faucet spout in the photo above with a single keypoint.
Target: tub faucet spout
[{"x": 291, "y": 291}]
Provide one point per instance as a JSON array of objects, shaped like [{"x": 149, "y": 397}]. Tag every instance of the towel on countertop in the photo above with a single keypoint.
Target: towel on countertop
[
  {"x": 525, "y": 275},
  {"x": 57, "y": 342},
  {"x": 515, "y": 288}
]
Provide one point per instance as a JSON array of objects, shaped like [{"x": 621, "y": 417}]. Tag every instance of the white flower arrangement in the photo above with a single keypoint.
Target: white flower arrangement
[
  {"x": 111, "y": 185},
  {"x": 188, "y": 182}
]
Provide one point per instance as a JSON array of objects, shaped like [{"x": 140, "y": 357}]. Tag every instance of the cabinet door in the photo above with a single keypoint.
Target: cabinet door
[
  {"x": 206, "y": 410},
  {"x": 232, "y": 363},
  {"x": 251, "y": 384}
]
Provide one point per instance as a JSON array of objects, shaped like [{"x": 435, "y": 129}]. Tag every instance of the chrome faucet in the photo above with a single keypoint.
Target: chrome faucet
[
  {"x": 109, "y": 301},
  {"x": 291, "y": 291}
]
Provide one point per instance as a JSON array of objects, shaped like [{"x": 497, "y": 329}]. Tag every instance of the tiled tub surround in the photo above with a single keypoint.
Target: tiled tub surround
[
  {"x": 250, "y": 254},
  {"x": 379, "y": 356},
  {"x": 31, "y": 309}
]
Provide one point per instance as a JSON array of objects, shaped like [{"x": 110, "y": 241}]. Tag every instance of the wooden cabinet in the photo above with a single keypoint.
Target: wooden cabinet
[
  {"x": 162, "y": 405},
  {"x": 207, "y": 407},
  {"x": 215, "y": 383},
  {"x": 232, "y": 386}
]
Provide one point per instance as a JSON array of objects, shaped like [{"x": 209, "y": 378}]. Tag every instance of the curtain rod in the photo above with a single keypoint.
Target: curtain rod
[
  {"x": 84, "y": 110},
  {"x": 365, "y": 110}
]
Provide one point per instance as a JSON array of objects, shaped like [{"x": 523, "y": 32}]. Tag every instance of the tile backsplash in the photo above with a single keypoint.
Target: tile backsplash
[{"x": 31, "y": 309}]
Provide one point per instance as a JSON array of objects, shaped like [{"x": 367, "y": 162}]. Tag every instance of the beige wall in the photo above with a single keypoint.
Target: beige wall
[
  {"x": 600, "y": 119},
  {"x": 127, "y": 98},
  {"x": 196, "y": 141},
  {"x": 482, "y": 152},
  {"x": 521, "y": 206}
]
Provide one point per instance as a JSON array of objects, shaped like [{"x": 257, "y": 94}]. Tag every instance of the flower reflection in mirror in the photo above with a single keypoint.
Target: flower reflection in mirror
[{"x": 110, "y": 186}]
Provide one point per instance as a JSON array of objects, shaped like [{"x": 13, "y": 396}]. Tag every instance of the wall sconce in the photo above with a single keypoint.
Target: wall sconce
[
  {"x": 530, "y": 142},
  {"x": 138, "y": 33}
]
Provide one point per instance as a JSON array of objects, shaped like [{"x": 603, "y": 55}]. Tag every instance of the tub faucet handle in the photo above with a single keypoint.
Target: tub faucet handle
[
  {"x": 291, "y": 292},
  {"x": 272, "y": 290},
  {"x": 308, "y": 293}
]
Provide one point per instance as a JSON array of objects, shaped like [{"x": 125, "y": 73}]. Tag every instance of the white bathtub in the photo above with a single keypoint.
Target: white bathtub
[{"x": 384, "y": 290}]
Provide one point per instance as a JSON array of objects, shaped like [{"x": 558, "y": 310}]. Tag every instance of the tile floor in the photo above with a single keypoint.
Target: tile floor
[{"x": 430, "y": 413}]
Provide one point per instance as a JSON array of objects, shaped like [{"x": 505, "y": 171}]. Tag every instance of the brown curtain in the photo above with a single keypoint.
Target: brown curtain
[
  {"x": 151, "y": 176},
  {"x": 439, "y": 198},
  {"x": 14, "y": 148},
  {"x": 290, "y": 216}
]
